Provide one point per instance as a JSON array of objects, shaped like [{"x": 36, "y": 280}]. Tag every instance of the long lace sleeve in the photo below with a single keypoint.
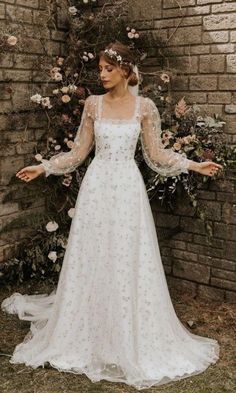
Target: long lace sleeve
[
  {"x": 164, "y": 161},
  {"x": 66, "y": 162}
]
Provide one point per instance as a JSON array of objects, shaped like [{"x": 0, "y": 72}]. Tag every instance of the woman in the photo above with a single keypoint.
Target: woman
[{"x": 111, "y": 316}]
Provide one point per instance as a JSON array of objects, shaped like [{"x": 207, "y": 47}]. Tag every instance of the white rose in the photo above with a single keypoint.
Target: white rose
[
  {"x": 12, "y": 40},
  {"x": 46, "y": 102},
  {"x": 85, "y": 58},
  {"x": 72, "y": 88},
  {"x": 37, "y": 98},
  {"x": 90, "y": 55},
  {"x": 177, "y": 145},
  {"x": 64, "y": 89},
  {"x": 55, "y": 91},
  {"x": 71, "y": 212},
  {"x": 57, "y": 76},
  {"x": 52, "y": 226},
  {"x": 165, "y": 77},
  {"x": 54, "y": 70},
  {"x": 130, "y": 35},
  {"x": 60, "y": 61},
  {"x": 72, "y": 10},
  {"x": 65, "y": 98},
  {"x": 38, "y": 157},
  {"x": 57, "y": 147},
  {"x": 53, "y": 256},
  {"x": 70, "y": 144}
]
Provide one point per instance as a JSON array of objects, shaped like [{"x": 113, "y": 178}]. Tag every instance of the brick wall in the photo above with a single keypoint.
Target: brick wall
[
  {"x": 199, "y": 40},
  {"x": 20, "y": 125}
]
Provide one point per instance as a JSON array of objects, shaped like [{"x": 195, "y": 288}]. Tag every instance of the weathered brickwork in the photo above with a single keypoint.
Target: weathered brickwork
[
  {"x": 20, "y": 125},
  {"x": 199, "y": 39}
]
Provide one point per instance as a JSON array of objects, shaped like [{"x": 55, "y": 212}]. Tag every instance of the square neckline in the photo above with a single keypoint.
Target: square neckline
[{"x": 117, "y": 120}]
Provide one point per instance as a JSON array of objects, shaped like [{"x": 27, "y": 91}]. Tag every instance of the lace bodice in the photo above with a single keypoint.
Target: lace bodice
[{"x": 115, "y": 138}]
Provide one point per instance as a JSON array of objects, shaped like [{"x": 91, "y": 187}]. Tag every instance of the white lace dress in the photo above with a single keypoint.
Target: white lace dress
[{"x": 111, "y": 315}]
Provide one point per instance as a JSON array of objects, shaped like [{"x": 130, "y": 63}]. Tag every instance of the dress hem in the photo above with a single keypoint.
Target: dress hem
[{"x": 145, "y": 384}]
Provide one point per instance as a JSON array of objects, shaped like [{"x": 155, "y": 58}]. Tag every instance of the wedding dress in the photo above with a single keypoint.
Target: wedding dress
[{"x": 111, "y": 316}]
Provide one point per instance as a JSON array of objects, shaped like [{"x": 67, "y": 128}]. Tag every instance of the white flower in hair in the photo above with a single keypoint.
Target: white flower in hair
[{"x": 113, "y": 53}]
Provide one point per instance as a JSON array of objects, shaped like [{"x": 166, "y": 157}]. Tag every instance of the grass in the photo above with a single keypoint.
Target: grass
[{"x": 213, "y": 319}]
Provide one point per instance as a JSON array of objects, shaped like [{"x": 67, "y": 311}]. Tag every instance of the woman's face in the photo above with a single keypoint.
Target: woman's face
[{"x": 110, "y": 75}]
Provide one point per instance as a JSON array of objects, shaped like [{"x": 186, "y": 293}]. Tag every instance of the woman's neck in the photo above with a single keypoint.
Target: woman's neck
[{"x": 118, "y": 92}]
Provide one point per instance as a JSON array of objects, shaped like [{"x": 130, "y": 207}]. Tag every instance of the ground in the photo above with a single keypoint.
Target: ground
[{"x": 212, "y": 319}]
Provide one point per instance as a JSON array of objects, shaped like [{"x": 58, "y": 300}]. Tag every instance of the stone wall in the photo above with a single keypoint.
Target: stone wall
[
  {"x": 198, "y": 39},
  {"x": 21, "y": 126}
]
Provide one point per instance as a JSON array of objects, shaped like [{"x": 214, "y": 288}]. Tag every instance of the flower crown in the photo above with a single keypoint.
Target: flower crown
[{"x": 113, "y": 54}]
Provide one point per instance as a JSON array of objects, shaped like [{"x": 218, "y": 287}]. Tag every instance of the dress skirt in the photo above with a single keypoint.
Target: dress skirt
[{"x": 111, "y": 316}]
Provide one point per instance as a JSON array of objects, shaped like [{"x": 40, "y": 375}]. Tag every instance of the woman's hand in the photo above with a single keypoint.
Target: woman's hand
[
  {"x": 207, "y": 168},
  {"x": 30, "y": 172}
]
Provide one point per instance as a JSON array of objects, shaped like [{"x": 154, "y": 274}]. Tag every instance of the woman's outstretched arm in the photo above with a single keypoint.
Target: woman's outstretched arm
[{"x": 66, "y": 162}]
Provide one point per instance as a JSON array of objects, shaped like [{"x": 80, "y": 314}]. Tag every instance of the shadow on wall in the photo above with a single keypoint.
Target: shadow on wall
[{"x": 197, "y": 41}]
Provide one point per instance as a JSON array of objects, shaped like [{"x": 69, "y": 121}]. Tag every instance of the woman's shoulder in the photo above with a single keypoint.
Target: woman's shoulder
[
  {"x": 90, "y": 104},
  {"x": 91, "y": 101},
  {"x": 91, "y": 98},
  {"x": 147, "y": 105},
  {"x": 146, "y": 100}
]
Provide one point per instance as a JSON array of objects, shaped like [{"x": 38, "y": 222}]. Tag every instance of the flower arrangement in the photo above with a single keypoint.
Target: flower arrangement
[{"x": 198, "y": 136}]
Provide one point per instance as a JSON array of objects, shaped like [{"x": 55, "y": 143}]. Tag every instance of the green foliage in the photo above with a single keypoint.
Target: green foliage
[{"x": 32, "y": 260}]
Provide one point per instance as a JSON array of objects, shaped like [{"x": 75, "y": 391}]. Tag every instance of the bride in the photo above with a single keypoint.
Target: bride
[{"x": 111, "y": 316}]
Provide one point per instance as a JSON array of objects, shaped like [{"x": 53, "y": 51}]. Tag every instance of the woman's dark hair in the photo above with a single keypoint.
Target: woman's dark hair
[{"x": 128, "y": 60}]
